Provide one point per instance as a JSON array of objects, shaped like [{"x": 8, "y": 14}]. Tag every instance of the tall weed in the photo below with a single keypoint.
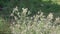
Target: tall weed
[{"x": 37, "y": 24}]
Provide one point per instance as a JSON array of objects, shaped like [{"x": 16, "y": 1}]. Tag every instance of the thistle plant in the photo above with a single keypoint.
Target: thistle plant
[{"x": 37, "y": 24}]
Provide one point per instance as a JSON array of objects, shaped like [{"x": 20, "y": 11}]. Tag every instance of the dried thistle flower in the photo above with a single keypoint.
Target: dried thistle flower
[
  {"x": 12, "y": 14},
  {"x": 15, "y": 9},
  {"x": 57, "y": 20},
  {"x": 24, "y": 11},
  {"x": 50, "y": 16}
]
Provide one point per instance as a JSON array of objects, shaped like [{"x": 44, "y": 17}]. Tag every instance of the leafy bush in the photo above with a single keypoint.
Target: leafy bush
[{"x": 37, "y": 24}]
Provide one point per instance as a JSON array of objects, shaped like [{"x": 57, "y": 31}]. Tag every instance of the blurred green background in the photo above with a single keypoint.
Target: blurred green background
[{"x": 46, "y": 6}]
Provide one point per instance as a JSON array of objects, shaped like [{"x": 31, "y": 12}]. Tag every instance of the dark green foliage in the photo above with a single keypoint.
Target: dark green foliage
[{"x": 32, "y": 5}]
